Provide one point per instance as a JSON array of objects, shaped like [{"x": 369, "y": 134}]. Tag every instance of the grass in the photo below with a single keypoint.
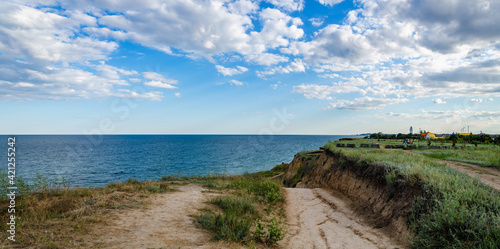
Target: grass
[
  {"x": 248, "y": 210},
  {"x": 457, "y": 211},
  {"x": 50, "y": 214},
  {"x": 486, "y": 157}
]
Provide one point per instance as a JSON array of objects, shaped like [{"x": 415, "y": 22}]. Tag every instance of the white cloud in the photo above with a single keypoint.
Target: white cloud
[
  {"x": 454, "y": 116},
  {"x": 278, "y": 29},
  {"x": 126, "y": 93},
  {"x": 35, "y": 35},
  {"x": 294, "y": 66},
  {"x": 335, "y": 44},
  {"x": 318, "y": 21},
  {"x": 365, "y": 103},
  {"x": 44, "y": 56},
  {"x": 438, "y": 101},
  {"x": 24, "y": 84},
  {"x": 266, "y": 59},
  {"x": 155, "y": 83},
  {"x": 288, "y": 5},
  {"x": 202, "y": 28},
  {"x": 331, "y": 75},
  {"x": 67, "y": 83},
  {"x": 158, "y": 77},
  {"x": 325, "y": 92},
  {"x": 330, "y": 2},
  {"x": 230, "y": 71},
  {"x": 243, "y": 7},
  {"x": 391, "y": 47},
  {"x": 236, "y": 83},
  {"x": 158, "y": 80},
  {"x": 178, "y": 95}
]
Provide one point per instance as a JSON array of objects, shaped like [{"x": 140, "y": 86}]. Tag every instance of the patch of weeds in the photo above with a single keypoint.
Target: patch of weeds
[
  {"x": 154, "y": 188},
  {"x": 270, "y": 233},
  {"x": 235, "y": 204},
  {"x": 390, "y": 175},
  {"x": 228, "y": 226},
  {"x": 210, "y": 185}
]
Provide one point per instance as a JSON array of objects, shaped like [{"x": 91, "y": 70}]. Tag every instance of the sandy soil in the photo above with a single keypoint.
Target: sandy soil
[
  {"x": 166, "y": 223},
  {"x": 319, "y": 218}
]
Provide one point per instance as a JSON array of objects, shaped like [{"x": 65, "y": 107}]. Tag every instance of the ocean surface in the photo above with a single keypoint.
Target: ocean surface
[{"x": 95, "y": 160}]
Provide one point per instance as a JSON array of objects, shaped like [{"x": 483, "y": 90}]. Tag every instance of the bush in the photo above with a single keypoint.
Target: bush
[{"x": 274, "y": 232}]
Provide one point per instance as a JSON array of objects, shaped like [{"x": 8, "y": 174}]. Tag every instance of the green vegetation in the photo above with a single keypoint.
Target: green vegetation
[
  {"x": 249, "y": 213},
  {"x": 453, "y": 138},
  {"x": 486, "y": 156},
  {"x": 456, "y": 211}
]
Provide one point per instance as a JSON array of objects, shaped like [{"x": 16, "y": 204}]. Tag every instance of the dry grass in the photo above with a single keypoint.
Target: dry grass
[{"x": 61, "y": 217}]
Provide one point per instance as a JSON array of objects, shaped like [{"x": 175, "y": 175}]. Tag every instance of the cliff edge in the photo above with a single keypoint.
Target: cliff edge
[{"x": 385, "y": 204}]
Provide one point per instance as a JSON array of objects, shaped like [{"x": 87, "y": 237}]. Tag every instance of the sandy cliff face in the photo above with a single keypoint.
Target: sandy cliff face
[{"x": 385, "y": 204}]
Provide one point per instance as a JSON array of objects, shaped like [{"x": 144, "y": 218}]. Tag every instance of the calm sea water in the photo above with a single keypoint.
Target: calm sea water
[{"x": 99, "y": 160}]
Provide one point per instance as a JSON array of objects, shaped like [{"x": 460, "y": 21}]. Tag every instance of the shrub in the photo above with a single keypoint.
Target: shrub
[{"x": 274, "y": 232}]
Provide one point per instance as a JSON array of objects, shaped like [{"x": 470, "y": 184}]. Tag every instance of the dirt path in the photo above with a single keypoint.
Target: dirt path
[
  {"x": 489, "y": 176},
  {"x": 166, "y": 223},
  {"x": 318, "y": 218}
]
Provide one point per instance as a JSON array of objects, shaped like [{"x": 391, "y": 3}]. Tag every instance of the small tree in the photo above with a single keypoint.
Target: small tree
[
  {"x": 454, "y": 139},
  {"x": 475, "y": 143}
]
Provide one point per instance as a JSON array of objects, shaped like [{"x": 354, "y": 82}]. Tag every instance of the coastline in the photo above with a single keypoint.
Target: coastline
[{"x": 379, "y": 203}]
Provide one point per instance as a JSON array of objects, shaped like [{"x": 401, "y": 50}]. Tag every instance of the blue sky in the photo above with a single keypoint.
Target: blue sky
[{"x": 249, "y": 67}]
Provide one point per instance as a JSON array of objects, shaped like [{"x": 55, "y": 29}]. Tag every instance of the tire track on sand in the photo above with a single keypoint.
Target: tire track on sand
[{"x": 318, "y": 218}]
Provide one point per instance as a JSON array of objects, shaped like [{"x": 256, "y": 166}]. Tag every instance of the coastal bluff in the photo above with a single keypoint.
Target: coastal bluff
[{"x": 382, "y": 203}]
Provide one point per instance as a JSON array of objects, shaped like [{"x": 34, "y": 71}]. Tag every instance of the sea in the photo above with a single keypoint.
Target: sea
[{"x": 98, "y": 160}]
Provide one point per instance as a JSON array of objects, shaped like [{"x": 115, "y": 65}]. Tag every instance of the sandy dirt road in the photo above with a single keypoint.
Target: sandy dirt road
[
  {"x": 319, "y": 218},
  {"x": 165, "y": 223}
]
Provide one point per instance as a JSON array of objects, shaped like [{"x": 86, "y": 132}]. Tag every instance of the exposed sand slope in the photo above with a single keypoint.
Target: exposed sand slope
[
  {"x": 318, "y": 218},
  {"x": 166, "y": 223}
]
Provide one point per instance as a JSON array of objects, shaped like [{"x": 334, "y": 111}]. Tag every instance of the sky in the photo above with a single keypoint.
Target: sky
[{"x": 249, "y": 67}]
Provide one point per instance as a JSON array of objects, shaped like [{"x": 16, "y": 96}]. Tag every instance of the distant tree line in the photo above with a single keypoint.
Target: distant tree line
[
  {"x": 474, "y": 139},
  {"x": 454, "y": 138},
  {"x": 381, "y": 135}
]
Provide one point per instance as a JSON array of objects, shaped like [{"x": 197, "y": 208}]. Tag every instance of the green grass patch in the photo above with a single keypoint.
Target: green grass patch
[
  {"x": 225, "y": 226},
  {"x": 238, "y": 205},
  {"x": 486, "y": 157},
  {"x": 249, "y": 214}
]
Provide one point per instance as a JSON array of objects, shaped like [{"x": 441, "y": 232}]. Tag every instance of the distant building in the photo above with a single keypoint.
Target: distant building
[
  {"x": 411, "y": 130},
  {"x": 428, "y": 135}
]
